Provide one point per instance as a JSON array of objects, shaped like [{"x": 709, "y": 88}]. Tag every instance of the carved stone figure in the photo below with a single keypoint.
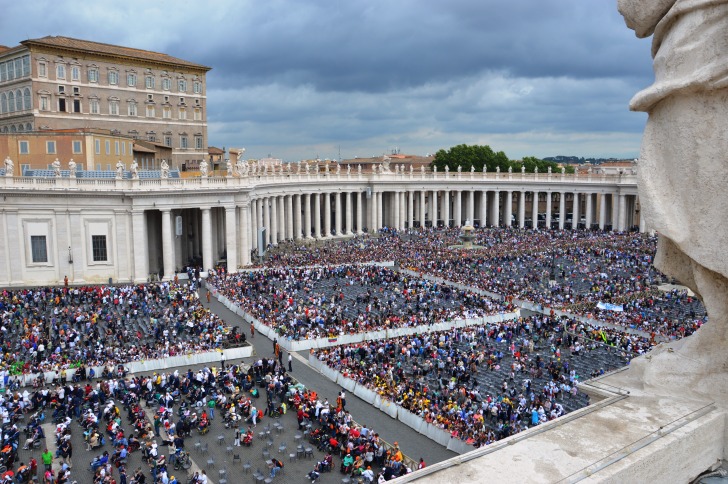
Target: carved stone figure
[
  {"x": 412, "y": 168},
  {"x": 497, "y": 169},
  {"x": 9, "y": 167},
  {"x": 535, "y": 170},
  {"x": 682, "y": 175},
  {"x": 56, "y": 165},
  {"x": 203, "y": 168},
  {"x": 472, "y": 168},
  {"x": 348, "y": 169},
  {"x": 434, "y": 169},
  {"x": 134, "y": 169},
  {"x": 229, "y": 168},
  {"x": 308, "y": 168},
  {"x": 358, "y": 169},
  {"x": 549, "y": 170},
  {"x": 510, "y": 169},
  {"x": 523, "y": 168},
  {"x": 447, "y": 169},
  {"x": 164, "y": 169},
  {"x": 460, "y": 168},
  {"x": 563, "y": 170},
  {"x": 385, "y": 164},
  {"x": 72, "y": 168},
  {"x": 120, "y": 167}
]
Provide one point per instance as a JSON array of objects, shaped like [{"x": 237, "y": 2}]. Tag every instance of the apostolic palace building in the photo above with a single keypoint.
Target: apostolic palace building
[{"x": 100, "y": 218}]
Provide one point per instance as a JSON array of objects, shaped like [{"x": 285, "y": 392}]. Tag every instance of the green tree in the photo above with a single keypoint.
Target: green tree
[{"x": 478, "y": 156}]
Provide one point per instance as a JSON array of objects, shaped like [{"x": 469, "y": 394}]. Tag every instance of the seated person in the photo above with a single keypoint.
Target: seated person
[{"x": 275, "y": 466}]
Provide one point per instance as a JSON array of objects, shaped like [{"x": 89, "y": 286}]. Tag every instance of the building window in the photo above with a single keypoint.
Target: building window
[
  {"x": 183, "y": 142},
  {"x": 26, "y": 65},
  {"x": 75, "y": 73},
  {"x": 149, "y": 82},
  {"x": 23, "y": 147},
  {"x": 132, "y": 109},
  {"x": 62, "y": 105},
  {"x": 76, "y": 105},
  {"x": 113, "y": 77},
  {"x": 182, "y": 85},
  {"x": 42, "y": 69},
  {"x": 198, "y": 114},
  {"x": 152, "y": 138},
  {"x": 11, "y": 71},
  {"x": 11, "y": 102},
  {"x": 38, "y": 248},
  {"x": 77, "y": 147},
  {"x": 60, "y": 71},
  {"x": 97, "y": 145},
  {"x": 123, "y": 148},
  {"x": 168, "y": 141},
  {"x": 198, "y": 142},
  {"x": 98, "y": 248},
  {"x": 108, "y": 147},
  {"x": 166, "y": 84},
  {"x": 116, "y": 148},
  {"x": 51, "y": 147},
  {"x": 93, "y": 75},
  {"x": 131, "y": 80},
  {"x": 114, "y": 108},
  {"x": 197, "y": 87},
  {"x": 182, "y": 113},
  {"x": 150, "y": 111},
  {"x": 166, "y": 112},
  {"x": 94, "y": 106}
]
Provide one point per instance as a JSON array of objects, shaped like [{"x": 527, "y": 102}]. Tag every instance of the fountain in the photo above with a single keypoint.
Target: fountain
[{"x": 467, "y": 237}]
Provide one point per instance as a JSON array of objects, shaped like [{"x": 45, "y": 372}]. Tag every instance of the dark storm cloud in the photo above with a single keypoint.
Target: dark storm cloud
[{"x": 295, "y": 78}]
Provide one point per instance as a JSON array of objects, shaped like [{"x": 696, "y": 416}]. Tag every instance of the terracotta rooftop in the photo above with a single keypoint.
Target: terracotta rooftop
[
  {"x": 214, "y": 150},
  {"x": 78, "y": 45}
]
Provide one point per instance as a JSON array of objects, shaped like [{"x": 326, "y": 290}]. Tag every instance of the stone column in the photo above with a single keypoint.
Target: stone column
[
  {"x": 395, "y": 214},
  {"x": 231, "y": 238},
  {"x": 435, "y": 195},
  {"x": 562, "y": 210},
  {"x": 446, "y": 208},
  {"x": 380, "y": 210},
  {"x": 622, "y": 220},
  {"x": 253, "y": 224},
  {"x": 359, "y": 213},
  {"x": 423, "y": 208},
  {"x": 615, "y": 212},
  {"x": 266, "y": 221},
  {"x": 260, "y": 217},
  {"x": 307, "y": 216},
  {"x": 317, "y": 215},
  {"x": 207, "y": 261},
  {"x": 483, "y": 214},
  {"x": 534, "y": 210},
  {"x": 458, "y": 209},
  {"x": 402, "y": 209},
  {"x": 602, "y": 210},
  {"x": 643, "y": 222},
  {"x": 521, "y": 209},
  {"x": 471, "y": 207},
  {"x": 244, "y": 236},
  {"x": 575, "y": 215},
  {"x": 289, "y": 217},
  {"x": 509, "y": 208},
  {"x": 273, "y": 220},
  {"x": 589, "y": 210},
  {"x": 141, "y": 246},
  {"x": 297, "y": 225},
  {"x": 495, "y": 210},
  {"x": 337, "y": 215},
  {"x": 349, "y": 213},
  {"x": 548, "y": 210},
  {"x": 327, "y": 214},
  {"x": 167, "y": 244},
  {"x": 372, "y": 209},
  {"x": 282, "y": 218},
  {"x": 410, "y": 208}
]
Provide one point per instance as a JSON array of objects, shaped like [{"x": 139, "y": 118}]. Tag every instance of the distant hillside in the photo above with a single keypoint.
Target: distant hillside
[{"x": 576, "y": 160}]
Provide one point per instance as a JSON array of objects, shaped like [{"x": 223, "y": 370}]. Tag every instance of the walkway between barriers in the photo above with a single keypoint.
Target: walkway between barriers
[{"x": 413, "y": 443}]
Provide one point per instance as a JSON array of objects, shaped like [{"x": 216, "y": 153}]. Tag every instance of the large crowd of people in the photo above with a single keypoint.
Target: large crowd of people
[
  {"x": 329, "y": 301},
  {"x": 485, "y": 383},
  {"x": 568, "y": 270},
  {"x": 56, "y": 328}
]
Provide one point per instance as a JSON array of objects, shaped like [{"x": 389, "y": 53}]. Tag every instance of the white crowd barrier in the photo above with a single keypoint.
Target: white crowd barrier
[
  {"x": 390, "y": 408},
  {"x": 307, "y": 344},
  {"x": 155, "y": 364}
]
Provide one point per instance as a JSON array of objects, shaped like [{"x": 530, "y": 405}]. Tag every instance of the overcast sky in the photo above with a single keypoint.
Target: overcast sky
[{"x": 300, "y": 79}]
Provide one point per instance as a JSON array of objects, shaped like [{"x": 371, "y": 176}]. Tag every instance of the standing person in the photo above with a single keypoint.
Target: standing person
[
  {"x": 211, "y": 408},
  {"x": 290, "y": 362},
  {"x": 237, "y": 436},
  {"x": 252, "y": 330},
  {"x": 47, "y": 458},
  {"x": 65, "y": 281},
  {"x": 208, "y": 295}
]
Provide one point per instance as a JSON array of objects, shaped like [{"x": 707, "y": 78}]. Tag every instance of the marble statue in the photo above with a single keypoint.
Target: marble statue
[
  {"x": 412, "y": 168},
  {"x": 9, "y": 167},
  {"x": 422, "y": 169},
  {"x": 497, "y": 169},
  {"x": 549, "y": 170},
  {"x": 447, "y": 169},
  {"x": 56, "y": 165},
  {"x": 348, "y": 169},
  {"x": 134, "y": 169},
  {"x": 72, "y": 168},
  {"x": 472, "y": 168},
  {"x": 523, "y": 169},
  {"x": 535, "y": 170},
  {"x": 120, "y": 167},
  {"x": 434, "y": 169},
  {"x": 510, "y": 169},
  {"x": 164, "y": 169},
  {"x": 385, "y": 164},
  {"x": 460, "y": 168},
  {"x": 308, "y": 168},
  {"x": 682, "y": 175},
  {"x": 229, "y": 168},
  {"x": 298, "y": 168},
  {"x": 563, "y": 170},
  {"x": 203, "y": 168},
  {"x": 358, "y": 169}
]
